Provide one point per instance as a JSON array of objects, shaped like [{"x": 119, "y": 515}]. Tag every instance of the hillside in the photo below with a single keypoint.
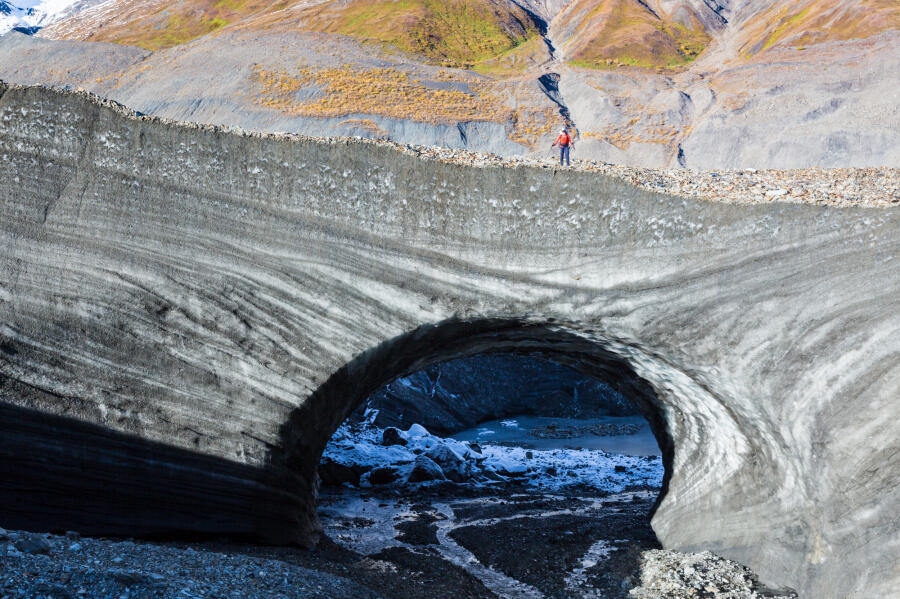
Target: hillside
[
  {"x": 659, "y": 83},
  {"x": 613, "y": 33},
  {"x": 458, "y": 33}
]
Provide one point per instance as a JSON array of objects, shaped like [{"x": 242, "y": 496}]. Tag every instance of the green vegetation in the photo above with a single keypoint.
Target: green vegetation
[
  {"x": 818, "y": 22},
  {"x": 785, "y": 26},
  {"x": 178, "y": 30},
  {"x": 453, "y": 33},
  {"x": 179, "y": 23},
  {"x": 348, "y": 91},
  {"x": 626, "y": 33}
]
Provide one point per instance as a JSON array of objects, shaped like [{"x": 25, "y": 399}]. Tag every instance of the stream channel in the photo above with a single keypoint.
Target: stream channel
[{"x": 547, "y": 507}]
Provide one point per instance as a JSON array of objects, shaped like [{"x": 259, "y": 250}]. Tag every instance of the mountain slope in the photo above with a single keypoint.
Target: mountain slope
[
  {"x": 613, "y": 33},
  {"x": 447, "y": 32},
  {"x": 810, "y": 22},
  {"x": 707, "y": 83},
  {"x": 156, "y": 24},
  {"x": 31, "y": 15},
  {"x": 457, "y": 32}
]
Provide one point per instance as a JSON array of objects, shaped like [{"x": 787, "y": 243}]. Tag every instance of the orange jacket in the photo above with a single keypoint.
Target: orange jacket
[{"x": 564, "y": 140}]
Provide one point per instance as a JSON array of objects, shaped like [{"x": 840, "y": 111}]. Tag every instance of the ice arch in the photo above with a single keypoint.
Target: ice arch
[{"x": 185, "y": 313}]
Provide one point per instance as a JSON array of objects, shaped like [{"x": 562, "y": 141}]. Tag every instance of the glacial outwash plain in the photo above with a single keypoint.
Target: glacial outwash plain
[{"x": 187, "y": 314}]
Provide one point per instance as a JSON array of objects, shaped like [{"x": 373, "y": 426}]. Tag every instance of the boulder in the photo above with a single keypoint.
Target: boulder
[
  {"x": 333, "y": 474},
  {"x": 454, "y": 466},
  {"x": 383, "y": 475},
  {"x": 391, "y": 436},
  {"x": 425, "y": 469},
  {"x": 417, "y": 430},
  {"x": 33, "y": 543}
]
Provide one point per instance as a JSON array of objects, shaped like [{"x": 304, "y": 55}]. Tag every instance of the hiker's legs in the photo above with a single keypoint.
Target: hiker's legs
[
  {"x": 562, "y": 155},
  {"x": 565, "y": 154}
]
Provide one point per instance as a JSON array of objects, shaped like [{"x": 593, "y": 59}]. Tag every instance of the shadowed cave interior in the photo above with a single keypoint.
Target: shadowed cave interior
[{"x": 507, "y": 470}]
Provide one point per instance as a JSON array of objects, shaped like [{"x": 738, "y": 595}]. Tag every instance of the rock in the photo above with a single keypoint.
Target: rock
[
  {"x": 3, "y": 535},
  {"x": 417, "y": 430},
  {"x": 529, "y": 455},
  {"x": 333, "y": 474},
  {"x": 511, "y": 472},
  {"x": 621, "y": 469},
  {"x": 360, "y": 469},
  {"x": 475, "y": 447},
  {"x": 75, "y": 547},
  {"x": 130, "y": 577},
  {"x": 486, "y": 387},
  {"x": 454, "y": 466},
  {"x": 391, "y": 436},
  {"x": 33, "y": 543},
  {"x": 56, "y": 591},
  {"x": 382, "y": 476},
  {"x": 425, "y": 469}
]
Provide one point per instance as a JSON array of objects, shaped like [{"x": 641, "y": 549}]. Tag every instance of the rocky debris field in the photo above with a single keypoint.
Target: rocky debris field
[
  {"x": 840, "y": 187},
  {"x": 63, "y": 567},
  {"x": 674, "y": 575},
  {"x": 432, "y": 543},
  {"x": 359, "y": 455},
  {"x": 601, "y": 430}
]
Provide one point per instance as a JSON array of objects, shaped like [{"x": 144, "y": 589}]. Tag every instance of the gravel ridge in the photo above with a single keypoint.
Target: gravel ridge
[{"x": 876, "y": 187}]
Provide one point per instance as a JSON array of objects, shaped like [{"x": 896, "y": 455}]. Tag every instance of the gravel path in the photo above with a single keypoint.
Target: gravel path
[{"x": 841, "y": 187}]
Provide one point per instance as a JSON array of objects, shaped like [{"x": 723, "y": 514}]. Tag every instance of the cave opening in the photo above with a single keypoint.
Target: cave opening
[{"x": 504, "y": 474}]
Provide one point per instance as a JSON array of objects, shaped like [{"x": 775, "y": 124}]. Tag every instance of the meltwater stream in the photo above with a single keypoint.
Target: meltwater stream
[{"x": 552, "y": 507}]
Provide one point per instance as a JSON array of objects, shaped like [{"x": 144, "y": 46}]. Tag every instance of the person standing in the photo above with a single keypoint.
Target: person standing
[{"x": 565, "y": 143}]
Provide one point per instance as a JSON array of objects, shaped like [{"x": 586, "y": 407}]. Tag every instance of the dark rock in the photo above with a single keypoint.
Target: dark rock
[
  {"x": 491, "y": 475},
  {"x": 33, "y": 543},
  {"x": 458, "y": 394},
  {"x": 511, "y": 473},
  {"x": 131, "y": 577},
  {"x": 551, "y": 470},
  {"x": 621, "y": 469},
  {"x": 383, "y": 476},
  {"x": 334, "y": 474},
  {"x": 475, "y": 447},
  {"x": 425, "y": 469},
  {"x": 454, "y": 466},
  {"x": 529, "y": 455},
  {"x": 56, "y": 591},
  {"x": 391, "y": 436},
  {"x": 3, "y": 534},
  {"x": 360, "y": 469}
]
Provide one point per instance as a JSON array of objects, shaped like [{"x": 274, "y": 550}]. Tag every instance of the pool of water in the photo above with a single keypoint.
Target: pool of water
[{"x": 629, "y": 435}]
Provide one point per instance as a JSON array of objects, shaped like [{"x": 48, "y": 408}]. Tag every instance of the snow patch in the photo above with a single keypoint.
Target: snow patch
[{"x": 31, "y": 15}]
